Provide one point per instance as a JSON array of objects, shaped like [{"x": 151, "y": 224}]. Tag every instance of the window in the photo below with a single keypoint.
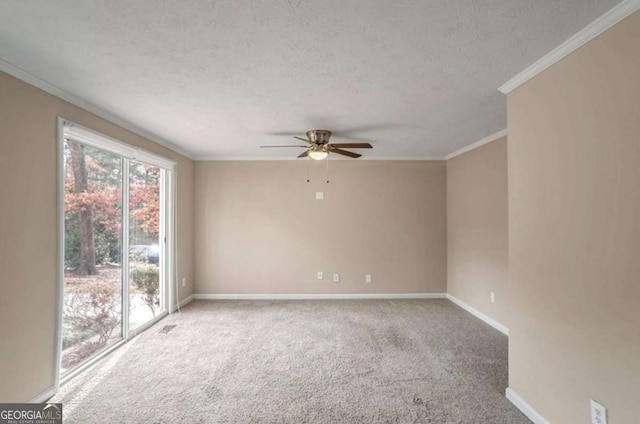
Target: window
[{"x": 116, "y": 261}]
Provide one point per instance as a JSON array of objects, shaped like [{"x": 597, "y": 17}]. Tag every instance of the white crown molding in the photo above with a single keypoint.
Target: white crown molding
[
  {"x": 318, "y": 296},
  {"x": 473, "y": 311},
  {"x": 585, "y": 35},
  {"x": 213, "y": 158},
  {"x": 403, "y": 158},
  {"x": 205, "y": 158},
  {"x": 29, "y": 78},
  {"x": 486, "y": 140},
  {"x": 525, "y": 408}
]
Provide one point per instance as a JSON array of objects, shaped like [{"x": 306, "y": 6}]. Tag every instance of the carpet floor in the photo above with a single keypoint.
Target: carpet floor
[{"x": 318, "y": 361}]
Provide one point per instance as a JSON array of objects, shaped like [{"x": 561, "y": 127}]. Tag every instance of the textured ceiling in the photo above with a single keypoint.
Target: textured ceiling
[{"x": 218, "y": 78}]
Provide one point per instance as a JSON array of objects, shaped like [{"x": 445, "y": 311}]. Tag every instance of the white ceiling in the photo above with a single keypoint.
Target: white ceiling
[{"x": 219, "y": 78}]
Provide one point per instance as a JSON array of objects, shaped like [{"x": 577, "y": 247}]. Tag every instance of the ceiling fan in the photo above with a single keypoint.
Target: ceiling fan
[{"x": 318, "y": 146}]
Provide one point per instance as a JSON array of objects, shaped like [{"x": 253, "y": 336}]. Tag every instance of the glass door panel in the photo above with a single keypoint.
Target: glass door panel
[
  {"x": 116, "y": 260},
  {"x": 146, "y": 258},
  {"x": 92, "y": 304}
]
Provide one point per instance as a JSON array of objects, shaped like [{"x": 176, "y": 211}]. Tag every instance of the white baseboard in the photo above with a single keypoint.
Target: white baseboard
[
  {"x": 525, "y": 408},
  {"x": 44, "y": 396},
  {"x": 314, "y": 296},
  {"x": 495, "y": 324},
  {"x": 186, "y": 300}
]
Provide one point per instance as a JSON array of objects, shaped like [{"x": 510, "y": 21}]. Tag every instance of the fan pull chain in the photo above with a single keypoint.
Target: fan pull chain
[
  {"x": 308, "y": 169},
  {"x": 327, "y": 169}
]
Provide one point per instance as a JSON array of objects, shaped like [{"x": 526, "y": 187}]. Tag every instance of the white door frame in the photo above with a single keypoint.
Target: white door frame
[{"x": 168, "y": 252}]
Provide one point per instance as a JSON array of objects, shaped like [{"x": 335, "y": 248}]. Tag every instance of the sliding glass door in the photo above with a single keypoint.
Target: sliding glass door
[
  {"x": 116, "y": 244},
  {"x": 146, "y": 299},
  {"x": 92, "y": 307}
]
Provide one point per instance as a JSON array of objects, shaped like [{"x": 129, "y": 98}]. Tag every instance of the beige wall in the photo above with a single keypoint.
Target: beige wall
[
  {"x": 477, "y": 229},
  {"x": 260, "y": 229},
  {"x": 28, "y": 220},
  {"x": 574, "y": 232}
]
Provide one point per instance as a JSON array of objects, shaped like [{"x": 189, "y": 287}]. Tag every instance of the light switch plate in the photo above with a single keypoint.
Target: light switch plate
[
  {"x": 598, "y": 413},
  {"x": 367, "y": 278},
  {"x": 319, "y": 195},
  {"x": 492, "y": 296}
]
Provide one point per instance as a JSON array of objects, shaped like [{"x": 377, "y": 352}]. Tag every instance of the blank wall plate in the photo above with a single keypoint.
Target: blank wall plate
[
  {"x": 336, "y": 278},
  {"x": 319, "y": 195},
  {"x": 598, "y": 413}
]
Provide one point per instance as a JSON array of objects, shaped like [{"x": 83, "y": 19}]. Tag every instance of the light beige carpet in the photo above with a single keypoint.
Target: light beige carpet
[{"x": 325, "y": 361}]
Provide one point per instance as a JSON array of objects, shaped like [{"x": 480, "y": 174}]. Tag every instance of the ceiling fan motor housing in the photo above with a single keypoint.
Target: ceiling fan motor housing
[{"x": 319, "y": 137}]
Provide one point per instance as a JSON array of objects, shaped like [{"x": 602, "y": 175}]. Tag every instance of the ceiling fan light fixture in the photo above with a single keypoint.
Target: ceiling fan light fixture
[
  {"x": 318, "y": 147},
  {"x": 318, "y": 154}
]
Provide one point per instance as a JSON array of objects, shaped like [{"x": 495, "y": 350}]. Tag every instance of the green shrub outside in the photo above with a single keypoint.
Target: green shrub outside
[{"x": 146, "y": 279}]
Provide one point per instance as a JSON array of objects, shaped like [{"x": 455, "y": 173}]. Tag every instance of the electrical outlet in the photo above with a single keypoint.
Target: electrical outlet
[
  {"x": 598, "y": 413},
  {"x": 320, "y": 275},
  {"x": 492, "y": 296},
  {"x": 336, "y": 278},
  {"x": 367, "y": 278},
  {"x": 184, "y": 281}
]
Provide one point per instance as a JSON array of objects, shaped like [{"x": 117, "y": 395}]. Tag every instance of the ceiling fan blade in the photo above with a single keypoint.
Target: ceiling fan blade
[
  {"x": 286, "y": 145},
  {"x": 303, "y": 139},
  {"x": 344, "y": 152},
  {"x": 353, "y": 145},
  {"x": 304, "y": 154}
]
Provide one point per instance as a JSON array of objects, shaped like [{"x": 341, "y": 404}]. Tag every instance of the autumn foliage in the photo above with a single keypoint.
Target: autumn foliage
[{"x": 96, "y": 203}]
